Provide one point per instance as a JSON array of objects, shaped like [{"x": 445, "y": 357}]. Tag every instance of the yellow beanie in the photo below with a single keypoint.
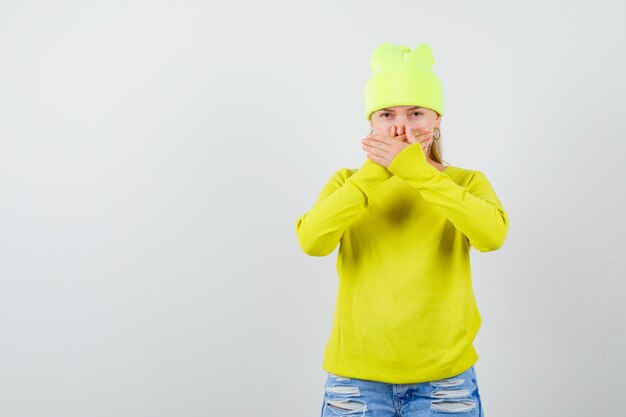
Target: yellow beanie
[{"x": 402, "y": 77}]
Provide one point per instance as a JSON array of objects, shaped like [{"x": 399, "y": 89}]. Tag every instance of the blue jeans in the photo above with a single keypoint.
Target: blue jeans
[{"x": 457, "y": 395}]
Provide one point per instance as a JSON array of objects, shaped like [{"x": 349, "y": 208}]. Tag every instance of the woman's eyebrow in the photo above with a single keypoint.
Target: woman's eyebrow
[{"x": 410, "y": 108}]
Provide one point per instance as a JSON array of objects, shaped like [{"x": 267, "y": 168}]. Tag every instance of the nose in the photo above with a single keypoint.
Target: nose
[{"x": 400, "y": 129}]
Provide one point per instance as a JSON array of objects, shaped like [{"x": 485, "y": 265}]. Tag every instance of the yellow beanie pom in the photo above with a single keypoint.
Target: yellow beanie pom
[{"x": 402, "y": 77}]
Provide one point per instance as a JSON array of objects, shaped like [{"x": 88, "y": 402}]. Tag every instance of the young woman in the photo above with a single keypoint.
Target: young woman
[{"x": 405, "y": 315}]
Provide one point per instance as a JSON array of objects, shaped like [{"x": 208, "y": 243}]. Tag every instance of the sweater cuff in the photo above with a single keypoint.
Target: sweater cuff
[
  {"x": 369, "y": 177},
  {"x": 411, "y": 164}
]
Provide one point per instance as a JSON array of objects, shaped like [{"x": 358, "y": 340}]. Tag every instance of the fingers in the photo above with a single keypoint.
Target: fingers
[
  {"x": 377, "y": 140},
  {"x": 386, "y": 138},
  {"x": 410, "y": 136},
  {"x": 375, "y": 147},
  {"x": 376, "y": 151},
  {"x": 401, "y": 138},
  {"x": 425, "y": 138}
]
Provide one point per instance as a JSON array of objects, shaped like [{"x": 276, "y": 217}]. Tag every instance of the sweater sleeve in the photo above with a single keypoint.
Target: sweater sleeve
[
  {"x": 474, "y": 210},
  {"x": 342, "y": 200}
]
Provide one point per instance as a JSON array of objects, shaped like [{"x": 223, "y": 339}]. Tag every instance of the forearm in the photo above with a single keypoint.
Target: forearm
[
  {"x": 475, "y": 210},
  {"x": 485, "y": 223},
  {"x": 320, "y": 229}
]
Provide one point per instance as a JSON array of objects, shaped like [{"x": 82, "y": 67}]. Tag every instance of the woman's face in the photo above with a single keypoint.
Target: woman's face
[{"x": 415, "y": 118}]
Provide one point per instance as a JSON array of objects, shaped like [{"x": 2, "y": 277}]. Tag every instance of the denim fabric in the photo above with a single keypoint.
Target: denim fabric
[{"x": 457, "y": 395}]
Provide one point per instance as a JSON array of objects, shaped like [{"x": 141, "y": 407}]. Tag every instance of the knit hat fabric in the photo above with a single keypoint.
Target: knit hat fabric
[{"x": 402, "y": 77}]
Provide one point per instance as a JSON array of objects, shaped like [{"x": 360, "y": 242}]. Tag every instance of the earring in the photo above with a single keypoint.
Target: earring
[
  {"x": 436, "y": 133},
  {"x": 372, "y": 131}
]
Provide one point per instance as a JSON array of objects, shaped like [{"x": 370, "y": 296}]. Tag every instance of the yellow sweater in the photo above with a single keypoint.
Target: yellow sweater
[{"x": 405, "y": 309}]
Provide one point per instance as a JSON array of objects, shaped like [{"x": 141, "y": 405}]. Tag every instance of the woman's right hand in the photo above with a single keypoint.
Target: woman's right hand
[{"x": 383, "y": 148}]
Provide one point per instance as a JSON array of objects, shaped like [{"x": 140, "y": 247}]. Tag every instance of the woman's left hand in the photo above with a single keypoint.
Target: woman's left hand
[{"x": 382, "y": 149}]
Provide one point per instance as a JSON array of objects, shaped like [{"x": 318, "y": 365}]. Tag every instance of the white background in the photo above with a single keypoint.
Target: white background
[{"x": 155, "y": 155}]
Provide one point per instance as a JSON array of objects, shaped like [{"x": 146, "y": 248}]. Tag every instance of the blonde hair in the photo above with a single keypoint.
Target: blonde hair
[{"x": 434, "y": 152}]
